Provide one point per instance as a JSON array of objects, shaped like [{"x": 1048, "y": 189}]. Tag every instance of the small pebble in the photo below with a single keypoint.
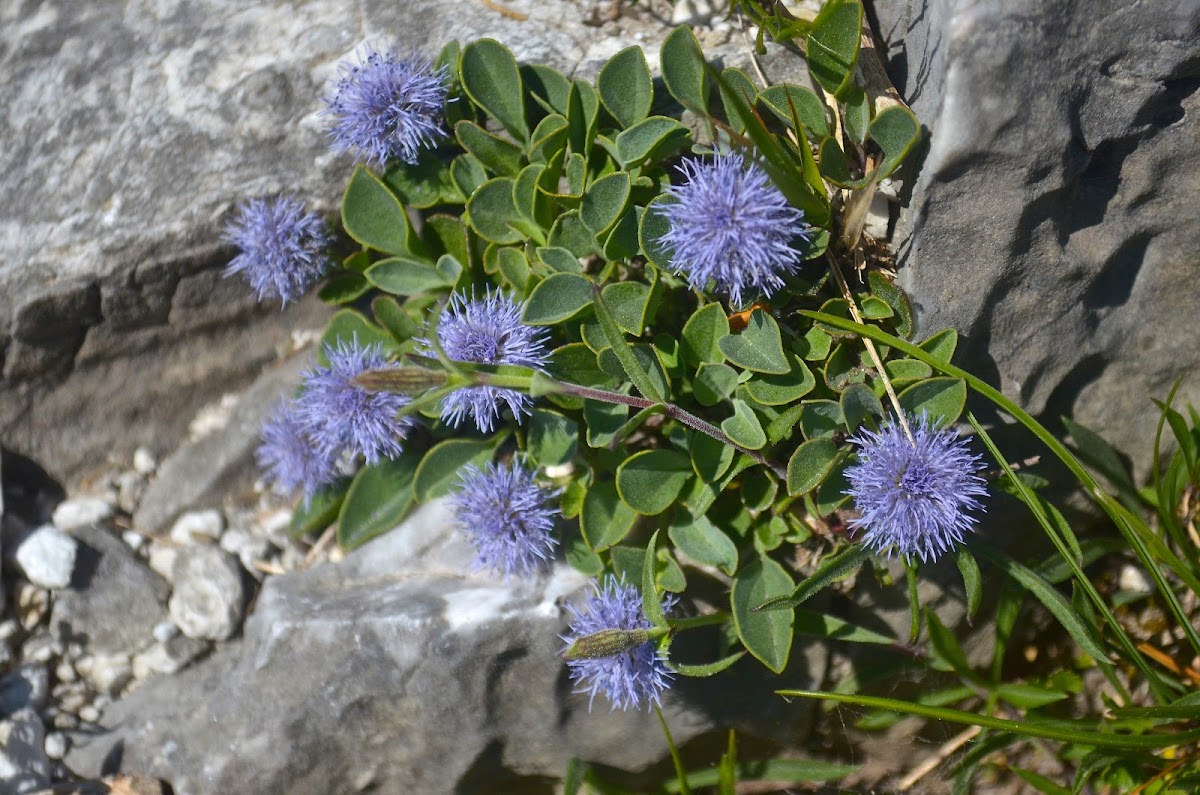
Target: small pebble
[
  {"x": 56, "y": 745},
  {"x": 65, "y": 672},
  {"x": 162, "y": 559},
  {"x": 1134, "y": 579},
  {"x": 165, "y": 631},
  {"x": 89, "y": 714},
  {"x": 134, "y": 540},
  {"x": 143, "y": 461},
  {"x": 47, "y": 556},
  {"x": 196, "y": 526},
  {"x": 81, "y": 512},
  {"x": 106, "y": 673},
  {"x": 9, "y": 629},
  {"x": 248, "y": 548},
  {"x": 32, "y": 604},
  {"x": 209, "y": 597},
  {"x": 130, "y": 488},
  {"x": 40, "y": 647}
]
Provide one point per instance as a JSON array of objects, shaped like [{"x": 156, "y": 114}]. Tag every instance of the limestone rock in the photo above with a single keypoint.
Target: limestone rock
[
  {"x": 70, "y": 515},
  {"x": 209, "y": 597},
  {"x": 47, "y": 556},
  {"x": 114, "y": 601},
  {"x": 402, "y": 666},
  {"x": 1053, "y": 221},
  {"x": 24, "y": 766}
]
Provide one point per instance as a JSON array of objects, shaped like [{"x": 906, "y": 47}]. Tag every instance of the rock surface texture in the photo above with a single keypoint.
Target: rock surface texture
[
  {"x": 399, "y": 669},
  {"x": 1053, "y": 221}
]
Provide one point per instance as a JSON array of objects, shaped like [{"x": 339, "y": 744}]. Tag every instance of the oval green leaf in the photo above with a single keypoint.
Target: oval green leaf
[
  {"x": 559, "y": 297},
  {"x": 374, "y": 217},
  {"x": 810, "y": 464},
  {"x": 377, "y": 501},
  {"x": 650, "y": 481},
  {"x": 941, "y": 400},
  {"x": 605, "y": 519},
  {"x": 441, "y": 468},
  {"x": 768, "y": 634},
  {"x": 625, "y": 87},
  {"x": 493, "y": 82}
]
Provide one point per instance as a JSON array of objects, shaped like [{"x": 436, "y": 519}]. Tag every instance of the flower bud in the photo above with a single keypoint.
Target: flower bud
[{"x": 606, "y": 643}]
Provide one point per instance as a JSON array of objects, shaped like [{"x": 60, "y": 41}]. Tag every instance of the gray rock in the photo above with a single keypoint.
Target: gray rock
[
  {"x": 47, "y": 556},
  {"x": 55, "y": 745},
  {"x": 70, "y": 515},
  {"x": 402, "y": 664},
  {"x": 26, "y": 686},
  {"x": 169, "y": 656},
  {"x": 114, "y": 601},
  {"x": 106, "y": 673},
  {"x": 209, "y": 598},
  {"x": 24, "y": 766},
  {"x": 144, "y": 462},
  {"x": 1053, "y": 219}
]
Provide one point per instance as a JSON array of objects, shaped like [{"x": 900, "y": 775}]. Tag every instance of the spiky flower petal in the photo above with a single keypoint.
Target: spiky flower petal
[
  {"x": 387, "y": 107},
  {"x": 914, "y": 496},
  {"x": 282, "y": 248},
  {"x": 507, "y": 516},
  {"x": 488, "y": 331},
  {"x": 288, "y": 456},
  {"x": 342, "y": 416},
  {"x": 731, "y": 229},
  {"x": 634, "y": 678}
]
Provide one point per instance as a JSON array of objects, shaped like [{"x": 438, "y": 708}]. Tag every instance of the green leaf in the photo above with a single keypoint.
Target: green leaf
[
  {"x": 701, "y": 333},
  {"x": 559, "y": 297},
  {"x": 493, "y": 212},
  {"x": 859, "y": 402},
  {"x": 629, "y": 562},
  {"x": 821, "y": 418},
  {"x": 549, "y": 137},
  {"x": 1028, "y": 696},
  {"x": 972, "y": 580},
  {"x": 714, "y": 383},
  {"x": 743, "y": 427},
  {"x": 548, "y": 84},
  {"x": 650, "y": 481},
  {"x": 559, "y": 259},
  {"x": 604, "y": 202},
  {"x": 514, "y": 267},
  {"x": 946, "y": 646},
  {"x": 625, "y": 86},
  {"x": 374, "y": 217},
  {"x": 736, "y": 82},
  {"x": 604, "y": 421},
  {"x": 320, "y": 510},
  {"x": 651, "y": 603},
  {"x": 895, "y": 298},
  {"x": 441, "y": 468},
  {"x": 344, "y": 288},
  {"x": 424, "y": 184},
  {"x": 778, "y": 390},
  {"x": 493, "y": 82},
  {"x": 629, "y": 302},
  {"x": 1040, "y": 782},
  {"x": 651, "y": 229},
  {"x": 766, "y": 635},
  {"x": 553, "y": 439},
  {"x": 857, "y": 114},
  {"x": 703, "y": 542},
  {"x": 684, "y": 70},
  {"x": 605, "y": 519},
  {"x": 875, "y": 308},
  {"x": 1100, "y": 455},
  {"x": 403, "y": 276},
  {"x": 815, "y": 345},
  {"x": 820, "y": 625},
  {"x": 377, "y": 501},
  {"x": 833, "y": 569},
  {"x": 468, "y": 173},
  {"x": 710, "y": 458},
  {"x": 580, "y": 556},
  {"x": 347, "y": 326},
  {"x": 782, "y": 100},
  {"x": 653, "y": 137},
  {"x": 833, "y": 44},
  {"x": 809, "y": 465},
  {"x": 941, "y": 345},
  {"x": 941, "y": 400},
  {"x": 570, "y": 233},
  {"x": 758, "y": 347},
  {"x": 583, "y": 109},
  {"x": 633, "y": 368},
  {"x": 897, "y": 131},
  {"x": 708, "y": 669},
  {"x": 497, "y": 155}
]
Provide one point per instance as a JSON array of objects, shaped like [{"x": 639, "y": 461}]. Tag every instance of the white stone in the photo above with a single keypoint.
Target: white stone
[
  {"x": 162, "y": 559},
  {"x": 196, "y": 526},
  {"x": 106, "y": 673},
  {"x": 143, "y": 461},
  {"x": 47, "y": 556},
  {"x": 134, "y": 540},
  {"x": 248, "y": 548},
  {"x": 89, "y": 714},
  {"x": 165, "y": 631},
  {"x": 209, "y": 597},
  {"x": 696, "y": 12},
  {"x": 1132, "y": 578},
  {"x": 80, "y": 512},
  {"x": 56, "y": 745}
]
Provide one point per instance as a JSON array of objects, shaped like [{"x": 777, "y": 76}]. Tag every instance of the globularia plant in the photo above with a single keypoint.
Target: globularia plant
[{"x": 611, "y": 336}]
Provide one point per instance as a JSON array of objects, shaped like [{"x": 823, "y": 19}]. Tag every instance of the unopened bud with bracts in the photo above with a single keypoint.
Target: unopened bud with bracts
[
  {"x": 401, "y": 380},
  {"x": 606, "y": 643}
]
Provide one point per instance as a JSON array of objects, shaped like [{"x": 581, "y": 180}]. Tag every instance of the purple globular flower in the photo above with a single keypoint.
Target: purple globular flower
[
  {"x": 387, "y": 107},
  {"x": 289, "y": 457},
  {"x": 344, "y": 417},
  {"x": 731, "y": 228},
  {"x": 488, "y": 331},
  {"x": 914, "y": 496},
  {"x": 283, "y": 249},
  {"x": 507, "y": 516},
  {"x": 633, "y": 678}
]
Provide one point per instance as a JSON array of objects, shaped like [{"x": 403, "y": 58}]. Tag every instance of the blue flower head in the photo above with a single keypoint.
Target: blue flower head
[
  {"x": 914, "y": 496},
  {"x": 341, "y": 416},
  {"x": 631, "y": 679},
  {"x": 488, "y": 331},
  {"x": 387, "y": 107},
  {"x": 730, "y": 228},
  {"x": 507, "y": 516},
  {"x": 282, "y": 248},
  {"x": 288, "y": 456}
]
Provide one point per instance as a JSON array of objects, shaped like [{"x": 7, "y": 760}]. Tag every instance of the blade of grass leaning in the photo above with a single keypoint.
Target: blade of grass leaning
[
  {"x": 616, "y": 339},
  {"x": 1025, "y": 728}
]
